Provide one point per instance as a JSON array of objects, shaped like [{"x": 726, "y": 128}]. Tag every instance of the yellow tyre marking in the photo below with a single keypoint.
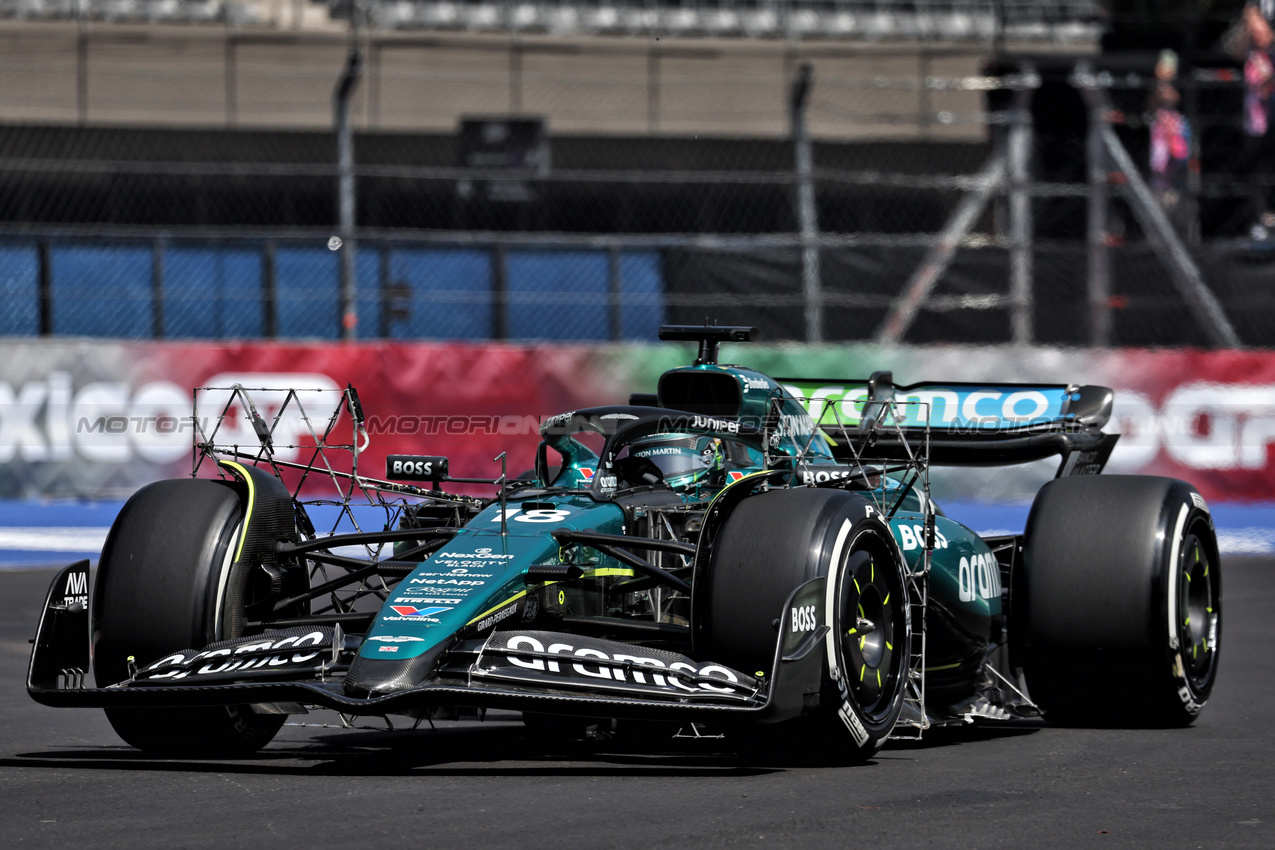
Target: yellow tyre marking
[{"x": 252, "y": 498}]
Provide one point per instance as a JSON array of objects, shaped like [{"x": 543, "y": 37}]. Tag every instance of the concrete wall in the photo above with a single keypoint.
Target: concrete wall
[{"x": 216, "y": 76}]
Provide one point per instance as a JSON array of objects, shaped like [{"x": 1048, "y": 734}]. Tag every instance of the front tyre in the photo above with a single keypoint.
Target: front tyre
[
  {"x": 867, "y": 645},
  {"x": 778, "y": 540},
  {"x": 1119, "y": 607},
  {"x": 168, "y": 580}
]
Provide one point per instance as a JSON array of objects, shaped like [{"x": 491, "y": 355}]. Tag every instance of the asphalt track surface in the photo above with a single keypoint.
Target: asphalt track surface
[{"x": 67, "y": 781}]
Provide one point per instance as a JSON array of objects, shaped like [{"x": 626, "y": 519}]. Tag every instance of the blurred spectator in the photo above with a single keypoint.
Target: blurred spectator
[
  {"x": 1170, "y": 137},
  {"x": 1250, "y": 41}
]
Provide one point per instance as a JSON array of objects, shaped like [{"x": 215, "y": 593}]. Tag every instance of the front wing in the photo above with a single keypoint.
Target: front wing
[{"x": 506, "y": 670}]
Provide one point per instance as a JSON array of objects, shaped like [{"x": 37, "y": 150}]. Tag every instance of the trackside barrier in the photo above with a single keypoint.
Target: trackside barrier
[{"x": 94, "y": 419}]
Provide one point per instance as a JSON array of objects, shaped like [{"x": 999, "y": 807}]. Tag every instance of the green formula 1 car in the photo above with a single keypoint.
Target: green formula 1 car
[{"x": 732, "y": 550}]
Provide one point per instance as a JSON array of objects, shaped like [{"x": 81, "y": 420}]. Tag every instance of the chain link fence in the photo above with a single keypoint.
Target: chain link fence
[{"x": 581, "y": 190}]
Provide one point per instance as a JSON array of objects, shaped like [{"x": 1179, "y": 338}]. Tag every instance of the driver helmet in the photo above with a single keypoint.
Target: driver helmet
[{"x": 687, "y": 460}]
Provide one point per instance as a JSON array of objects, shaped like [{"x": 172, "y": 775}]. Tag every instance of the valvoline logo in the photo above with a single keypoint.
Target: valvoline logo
[
  {"x": 587, "y": 474},
  {"x": 413, "y": 611}
]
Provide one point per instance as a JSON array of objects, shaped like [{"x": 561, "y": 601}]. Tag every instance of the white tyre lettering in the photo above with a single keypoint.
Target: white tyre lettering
[{"x": 851, "y": 721}]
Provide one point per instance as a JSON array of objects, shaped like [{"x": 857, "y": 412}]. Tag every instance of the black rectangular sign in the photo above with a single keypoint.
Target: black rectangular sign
[{"x": 415, "y": 468}]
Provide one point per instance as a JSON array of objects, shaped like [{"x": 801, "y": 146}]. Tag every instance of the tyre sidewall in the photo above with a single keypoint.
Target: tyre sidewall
[
  {"x": 1185, "y": 514},
  {"x": 168, "y": 580},
  {"x": 1097, "y": 607},
  {"x": 862, "y": 731},
  {"x": 158, "y": 589}
]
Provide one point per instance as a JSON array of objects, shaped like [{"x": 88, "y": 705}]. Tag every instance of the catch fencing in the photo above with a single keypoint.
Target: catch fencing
[{"x": 886, "y": 193}]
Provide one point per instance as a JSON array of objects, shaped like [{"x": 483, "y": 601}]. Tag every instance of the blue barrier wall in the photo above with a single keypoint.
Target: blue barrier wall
[
  {"x": 102, "y": 290},
  {"x": 19, "y": 289},
  {"x": 449, "y": 294},
  {"x": 226, "y": 290},
  {"x": 212, "y": 293}
]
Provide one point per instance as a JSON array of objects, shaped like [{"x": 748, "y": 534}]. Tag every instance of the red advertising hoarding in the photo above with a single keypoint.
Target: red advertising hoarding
[{"x": 99, "y": 419}]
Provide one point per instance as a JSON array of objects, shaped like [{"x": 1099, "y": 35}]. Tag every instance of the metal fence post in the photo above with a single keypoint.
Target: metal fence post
[
  {"x": 44, "y": 252},
  {"x": 653, "y": 88},
  {"x": 615, "y": 294},
  {"x": 157, "y": 288},
  {"x": 515, "y": 76},
  {"x": 269, "y": 291},
  {"x": 990, "y": 179},
  {"x": 1159, "y": 231},
  {"x": 231, "y": 60},
  {"x": 82, "y": 68},
  {"x": 807, "y": 215},
  {"x": 385, "y": 321},
  {"x": 345, "y": 181},
  {"x": 1099, "y": 261},
  {"x": 1020, "y": 210},
  {"x": 499, "y": 293}
]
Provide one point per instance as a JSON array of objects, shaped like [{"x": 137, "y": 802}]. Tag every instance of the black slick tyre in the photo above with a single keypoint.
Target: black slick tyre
[
  {"x": 776, "y": 541},
  {"x": 1117, "y": 615},
  {"x": 168, "y": 580}
]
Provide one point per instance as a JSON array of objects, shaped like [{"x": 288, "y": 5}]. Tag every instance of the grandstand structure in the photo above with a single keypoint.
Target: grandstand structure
[
  {"x": 941, "y": 20},
  {"x": 587, "y": 169}
]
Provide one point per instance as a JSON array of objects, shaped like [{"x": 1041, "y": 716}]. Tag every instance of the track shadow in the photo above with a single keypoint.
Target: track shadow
[
  {"x": 506, "y": 748},
  {"x": 952, "y": 736},
  {"x": 509, "y": 751}
]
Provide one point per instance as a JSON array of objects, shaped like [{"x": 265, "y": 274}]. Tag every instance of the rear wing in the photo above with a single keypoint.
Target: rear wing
[{"x": 968, "y": 424}]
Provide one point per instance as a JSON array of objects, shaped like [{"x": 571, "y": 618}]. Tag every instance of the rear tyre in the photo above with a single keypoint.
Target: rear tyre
[
  {"x": 1118, "y": 610},
  {"x": 168, "y": 580},
  {"x": 773, "y": 543}
]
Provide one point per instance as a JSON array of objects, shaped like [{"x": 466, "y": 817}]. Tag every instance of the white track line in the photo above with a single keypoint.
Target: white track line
[{"x": 53, "y": 539}]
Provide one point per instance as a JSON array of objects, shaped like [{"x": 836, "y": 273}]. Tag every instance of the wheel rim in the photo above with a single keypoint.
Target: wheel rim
[
  {"x": 1198, "y": 614},
  {"x": 869, "y": 626}
]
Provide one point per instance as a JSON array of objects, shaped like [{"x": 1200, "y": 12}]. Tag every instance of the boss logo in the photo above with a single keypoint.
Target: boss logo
[
  {"x": 912, "y": 537},
  {"x": 415, "y": 468},
  {"x": 803, "y": 619}
]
